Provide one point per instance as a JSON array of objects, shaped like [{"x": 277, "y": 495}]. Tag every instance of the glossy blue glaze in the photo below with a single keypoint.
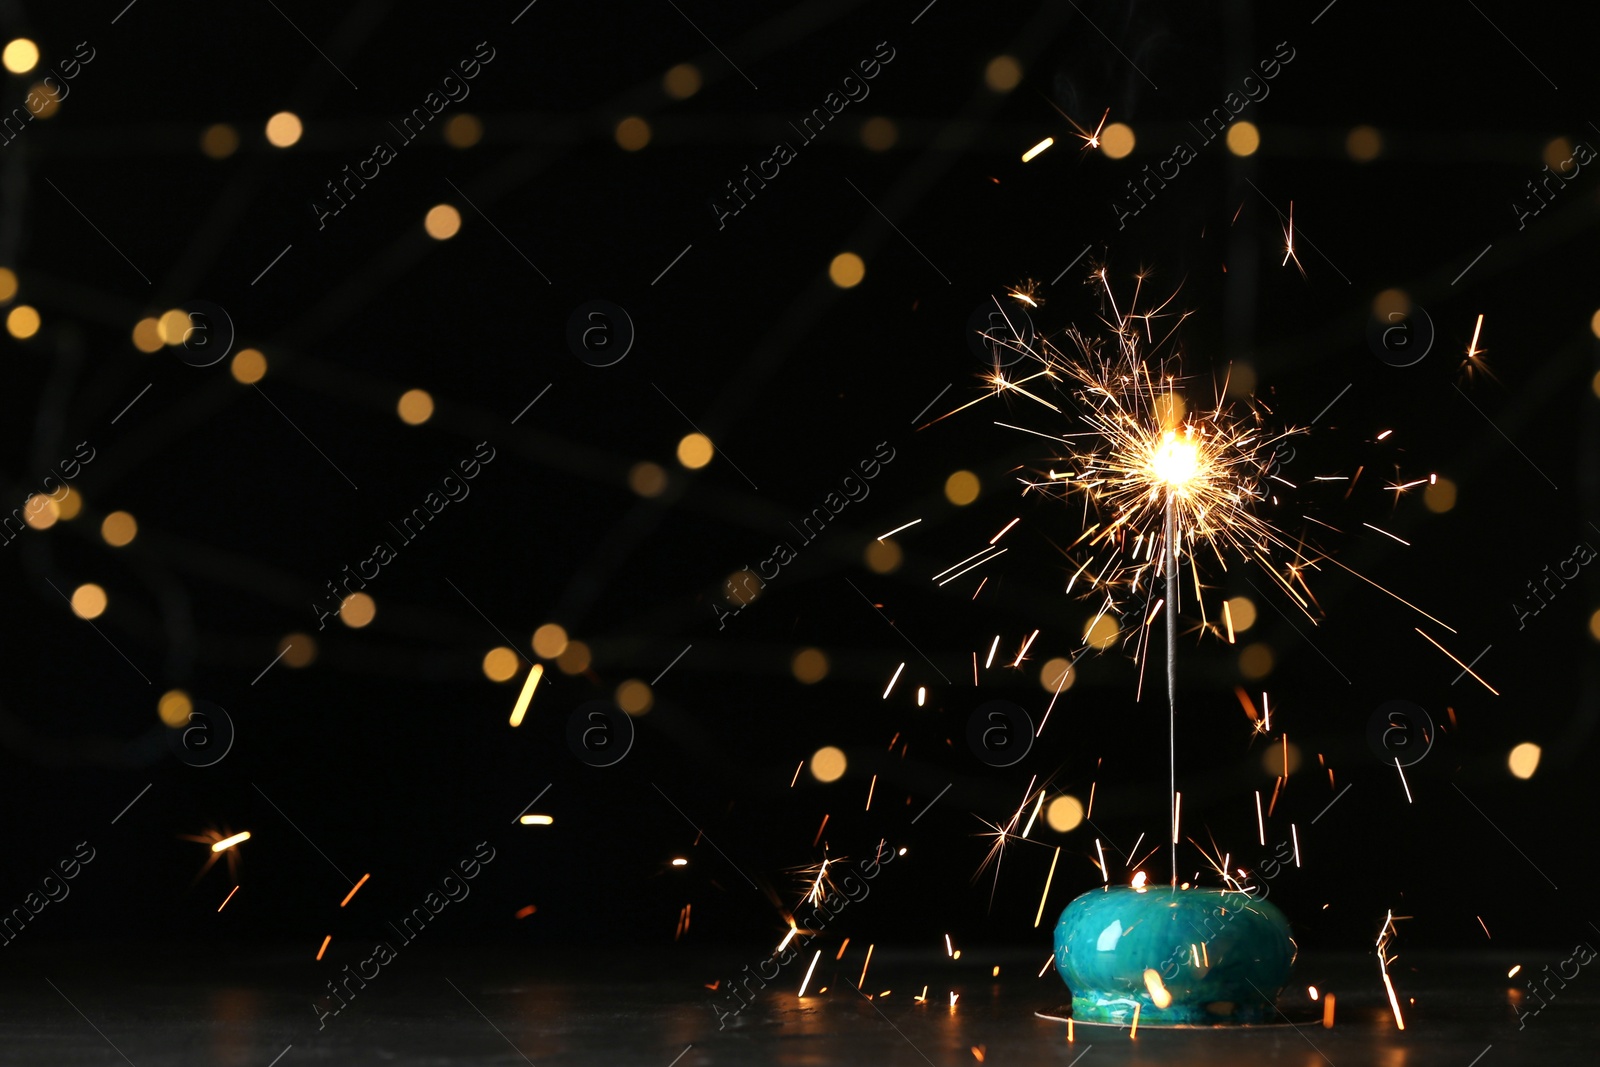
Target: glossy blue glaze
[{"x": 1220, "y": 956}]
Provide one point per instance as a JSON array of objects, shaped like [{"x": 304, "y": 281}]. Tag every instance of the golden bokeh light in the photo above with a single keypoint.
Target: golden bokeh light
[
  {"x": 741, "y": 587},
  {"x": 810, "y": 665},
  {"x": 173, "y": 326},
  {"x": 1003, "y": 74},
  {"x": 1440, "y": 497},
  {"x": 575, "y": 658},
  {"x": 118, "y": 529},
  {"x": 70, "y": 504},
  {"x": 549, "y": 640},
  {"x": 1255, "y": 661},
  {"x": 147, "y": 335},
  {"x": 358, "y": 610},
  {"x": 174, "y": 708},
  {"x": 298, "y": 650},
  {"x": 23, "y": 322},
  {"x": 647, "y": 479},
  {"x": 1243, "y": 138},
  {"x": 500, "y": 664},
  {"x": 828, "y": 764},
  {"x": 219, "y": 141},
  {"x": 8, "y": 286},
  {"x": 635, "y": 697},
  {"x": 463, "y": 131},
  {"x": 284, "y": 129},
  {"x": 40, "y": 511},
  {"x": 1556, "y": 152},
  {"x": 1595, "y": 384},
  {"x": 1100, "y": 632},
  {"x": 1242, "y": 613},
  {"x": 1524, "y": 759},
  {"x": 1273, "y": 756},
  {"x": 1594, "y": 625},
  {"x": 1594, "y": 320},
  {"x": 695, "y": 451},
  {"x": 682, "y": 81},
  {"x": 1364, "y": 144},
  {"x": 1117, "y": 140},
  {"x": 1241, "y": 381},
  {"x": 249, "y": 366},
  {"x": 632, "y": 133},
  {"x": 961, "y": 488},
  {"x": 442, "y": 222},
  {"x": 20, "y": 56},
  {"x": 1057, "y": 675},
  {"x": 1391, "y": 305},
  {"x": 89, "y": 601},
  {"x": 1064, "y": 814},
  {"x": 50, "y": 99},
  {"x": 883, "y": 557},
  {"x": 415, "y": 407},
  {"x": 879, "y": 134},
  {"x": 846, "y": 270}
]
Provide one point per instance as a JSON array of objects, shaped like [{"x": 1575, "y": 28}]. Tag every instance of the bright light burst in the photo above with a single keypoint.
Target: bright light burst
[{"x": 1165, "y": 480}]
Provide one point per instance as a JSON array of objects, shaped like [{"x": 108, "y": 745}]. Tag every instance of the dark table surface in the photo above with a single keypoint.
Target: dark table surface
[{"x": 160, "y": 1006}]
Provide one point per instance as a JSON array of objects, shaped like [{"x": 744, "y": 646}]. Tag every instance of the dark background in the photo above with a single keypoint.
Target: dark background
[{"x": 391, "y": 753}]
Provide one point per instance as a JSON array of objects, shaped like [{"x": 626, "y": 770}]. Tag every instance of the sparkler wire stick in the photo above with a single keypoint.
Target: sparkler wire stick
[{"x": 1172, "y": 684}]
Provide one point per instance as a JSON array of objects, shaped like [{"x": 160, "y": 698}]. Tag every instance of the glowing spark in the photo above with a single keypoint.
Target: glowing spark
[
  {"x": 1025, "y": 646},
  {"x": 1227, "y": 618},
  {"x": 1046, "y": 894},
  {"x": 863, "y": 979},
  {"x": 324, "y": 947},
  {"x": 806, "y": 980},
  {"x": 354, "y": 888},
  {"x": 893, "y": 680},
  {"x": 1485, "y": 926},
  {"x": 1139, "y": 880},
  {"x": 1311, "y": 990},
  {"x": 870, "y": 788},
  {"x": 1036, "y": 149},
  {"x": 801, "y": 766},
  {"x": 1296, "y": 835},
  {"x": 1008, "y": 526},
  {"x": 947, "y": 950},
  {"x": 1158, "y": 992},
  {"x": 1403, "y": 785},
  {"x": 840, "y": 954},
  {"x": 922, "y": 695},
  {"x": 1289, "y": 245},
  {"x": 981, "y": 562},
  {"x": 1386, "y": 533},
  {"x": 528, "y": 909},
  {"x": 1384, "y": 959},
  {"x": 1458, "y": 663},
  {"x": 1047, "y": 962},
  {"x": 1105, "y": 874},
  {"x": 793, "y": 929},
  {"x": 538, "y": 820},
  {"x": 954, "y": 996},
  {"x": 990, "y": 660},
  {"x": 526, "y": 696},
  {"x": 897, "y": 529},
  {"x": 679, "y": 861},
  {"x": 1135, "y": 1031},
  {"x": 1384, "y": 434},
  {"x": 1032, "y": 818},
  {"x": 228, "y": 842},
  {"x": 1177, "y": 807},
  {"x": 1512, "y": 973},
  {"x": 1327, "y": 1012},
  {"x": 235, "y": 889}
]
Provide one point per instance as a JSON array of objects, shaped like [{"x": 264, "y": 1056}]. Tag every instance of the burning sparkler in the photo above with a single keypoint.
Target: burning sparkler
[{"x": 1166, "y": 481}]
